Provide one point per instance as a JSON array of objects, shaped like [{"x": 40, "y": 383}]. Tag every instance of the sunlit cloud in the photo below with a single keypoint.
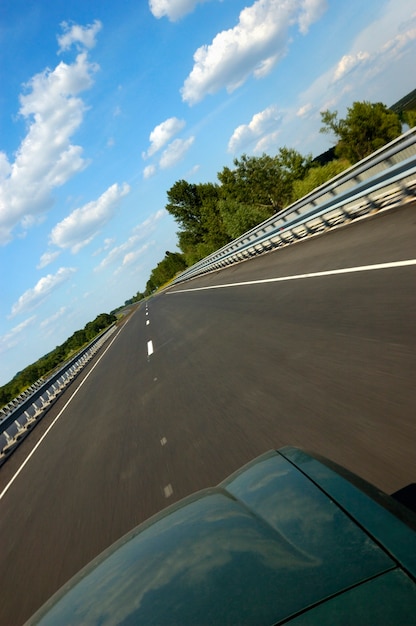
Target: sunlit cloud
[
  {"x": 304, "y": 110},
  {"x": 149, "y": 171},
  {"x": 385, "y": 44},
  {"x": 260, "y": 124},
  {"x": 173, "y": 9},
  {"x": 14, "y": 336},
  {"x": 194, "y": 170},
  {"x": 52, "y": 319},
  {"x": 133, "y": 245},
  {"x": 33, "y": 297},
  {"x": 47, "y": 258},
  {"x": 108, "y": 242},
  {"x": 260, "y": 39},
  {"x": 82, "y": 225},
  {"x": 132, "y": 257},
  {"x": 175, "y": 152},
  {"x": 162, "y": 134},
  {"x": 46, "y": 158},
  {"x": 82, "y": 36},
  {"x": 348, "y": 63}
]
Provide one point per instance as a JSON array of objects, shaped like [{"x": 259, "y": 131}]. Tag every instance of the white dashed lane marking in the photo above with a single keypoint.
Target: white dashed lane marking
[
  {"x": 149, "y": 348},
  {"x": 168, "y": 491}
]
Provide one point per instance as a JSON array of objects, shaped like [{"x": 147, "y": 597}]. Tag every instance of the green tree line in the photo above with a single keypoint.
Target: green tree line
[
  {"x": 46, "y": 364},
  {"x": 210, "y": 215}
]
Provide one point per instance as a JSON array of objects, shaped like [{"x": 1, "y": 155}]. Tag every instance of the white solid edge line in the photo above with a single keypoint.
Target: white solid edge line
[
  {"x": 11, "y": 481},
  {"x": 345, "y": 270}
]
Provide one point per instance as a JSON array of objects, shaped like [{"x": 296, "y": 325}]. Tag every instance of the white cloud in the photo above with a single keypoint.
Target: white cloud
[
  {"x": 131, "y": 257},
  {"x": 45, "y": 158},
  {"x": 143, "y": 229},
  {"x": 47, "y": 258},
  {"x": 376, "y": 67},
  {"x": 108, "y": 242},
  {"x": 175, "y": 152},
  {"x": 81, "y": 226},
  {"x": 254, "y": 46},
  {"x": 348, "y": 63},
  {"x": 149, "y": 171},
  {"x": 193, "y": 170},
  {"x": 304, "y": 110},
  {"x": 172, "y": 9},
  {"x": 375, "y": 54},
  {"x": 268, "y": 143},
  {"x": 379, "y": 46},
  {"x": 261, "y": 123},
  {"x": 129, "y": 249},
  {"x": 163, "y": 133},
  {"x": 76, "y": 34},
  {"x": 54, "y": 318},
  {"x": 311, "y": 11},
  {"x": 11, "y": 339},
  {"x": 395, "y": 47},
  {"x": 43, "y": 288}
]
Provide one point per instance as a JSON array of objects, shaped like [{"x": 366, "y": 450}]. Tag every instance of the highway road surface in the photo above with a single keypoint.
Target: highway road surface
[{"x": 206, "y": 376}]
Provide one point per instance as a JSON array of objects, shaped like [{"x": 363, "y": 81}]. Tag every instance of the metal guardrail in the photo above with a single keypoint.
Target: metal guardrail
[
  {"x": 24, "y": 415},
  {"x": 386, "y": 176}
]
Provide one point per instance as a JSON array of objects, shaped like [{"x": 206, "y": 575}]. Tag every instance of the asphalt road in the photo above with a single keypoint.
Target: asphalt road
[{"x": 323, "y": 362}]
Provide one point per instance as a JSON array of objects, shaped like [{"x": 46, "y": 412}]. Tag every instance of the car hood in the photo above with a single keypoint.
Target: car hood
[{"x": 263, "y": 547}]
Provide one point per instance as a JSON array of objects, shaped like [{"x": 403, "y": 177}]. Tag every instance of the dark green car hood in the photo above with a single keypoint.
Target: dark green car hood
[{"x": 265, "y": 546}]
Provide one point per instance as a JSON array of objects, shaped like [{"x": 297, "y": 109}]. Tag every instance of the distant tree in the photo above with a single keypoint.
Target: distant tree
[
  {"x": 365, "y": 128},
  {"x": 318, "y": 175},
  {"x": 167, "y": 268},
  {"x": 139, "y": 296},
  {"x": 409, "y": 118},
  {"x": 150, "y": 287},
  {"x": 101, "y": 322},
  {"x": 76, "y": 340}
]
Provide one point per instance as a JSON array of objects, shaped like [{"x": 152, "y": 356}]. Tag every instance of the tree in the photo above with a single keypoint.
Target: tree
[
  {"x": 258, "y": 187},
  {"x": 150, "y": 287},
  {"x": 195, "y": 208},
  {"x": 264, "y": 182},
  {"x": 165, "y": 270},
  {"x": 238, "y": 217},
  {"x": 318, "y": 175},
  {"x": 365, "y": 128},
  {"x": 185, "y": 206},
  {"x": 409, "y": 118}
]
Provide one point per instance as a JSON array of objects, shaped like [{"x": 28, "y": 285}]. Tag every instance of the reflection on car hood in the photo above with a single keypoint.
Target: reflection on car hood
[{"x": 264, "y": 546}]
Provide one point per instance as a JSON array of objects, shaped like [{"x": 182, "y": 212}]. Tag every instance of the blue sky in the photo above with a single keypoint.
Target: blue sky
[{"x": 105, "y": 105}]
